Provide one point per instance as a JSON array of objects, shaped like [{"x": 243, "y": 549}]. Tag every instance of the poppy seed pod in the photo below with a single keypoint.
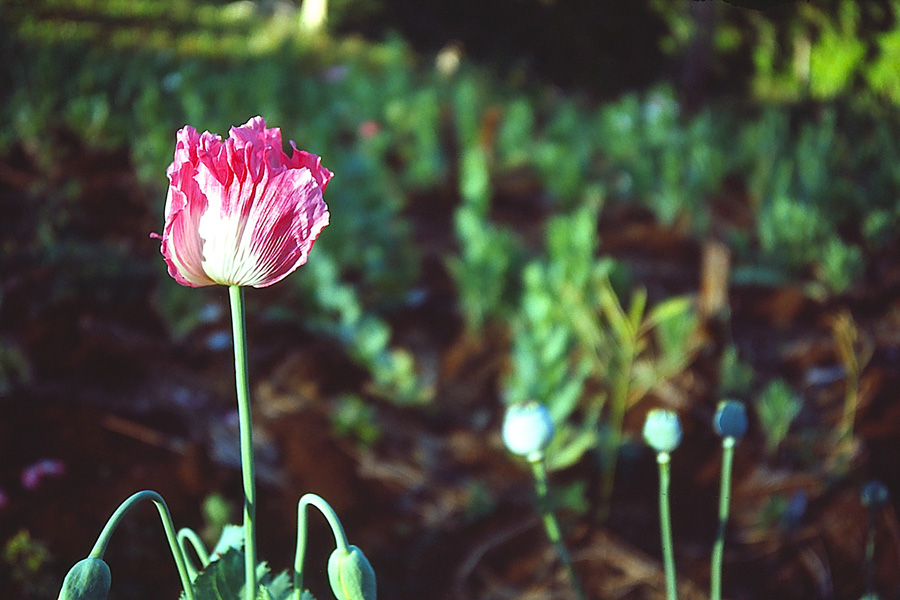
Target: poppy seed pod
[
  {"x": 351, "y": 575},
  {"x": 662, "y": 430},
  {"x": 89, "y": 579},
  {"x": 874, "y": 494},
  {"x": 528, "y": 429},
  {"x": 730, "y": 420}
]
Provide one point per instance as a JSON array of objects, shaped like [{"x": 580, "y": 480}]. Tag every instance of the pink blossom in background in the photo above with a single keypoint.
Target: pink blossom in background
[
  {"x": 4, "y": 499},
  {"x": 241, "y": 211},
  {"x": 369, "y": 129},
  {"x": 33, "y": 475}
]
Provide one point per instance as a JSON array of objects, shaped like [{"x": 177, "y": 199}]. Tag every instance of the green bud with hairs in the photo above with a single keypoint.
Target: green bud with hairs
[
  {"x": 89, "y": 579},
  {"x": 351, "y": 575}
]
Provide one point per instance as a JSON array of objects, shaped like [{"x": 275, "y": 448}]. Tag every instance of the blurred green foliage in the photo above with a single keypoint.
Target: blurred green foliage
[
  {"x": 776, "y": 408},
  {"x": 736, "y": 376},
  {"x": 581, "y": 352},
  {"x": 354, "y": 417},
  {"x": 29, "y": 564},
  {"x": 126, "y": 76},
  {"x": 817, "y": 51},
  {"x": 803, "y": 189}
]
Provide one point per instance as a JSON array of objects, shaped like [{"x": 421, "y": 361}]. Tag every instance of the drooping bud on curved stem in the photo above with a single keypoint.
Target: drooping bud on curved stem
[
  {"x": 346, "y": 557},
  {"x": 351, "y": 575},
  {"x": 99, "y": 548},
  {"x": 89, "y": 579}
]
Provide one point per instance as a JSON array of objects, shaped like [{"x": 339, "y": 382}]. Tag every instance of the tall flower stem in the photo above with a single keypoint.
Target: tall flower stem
[
  {"x": 665, "y": 526},
  {"x": 248, "y": 470},
  {"x": 870, "y": 555},
  {"x": 715, "y": 579},
  {"x": 551, "y": 525},
  {"x": 340, "y": 538},
  {"x": 103, "y": 540}
]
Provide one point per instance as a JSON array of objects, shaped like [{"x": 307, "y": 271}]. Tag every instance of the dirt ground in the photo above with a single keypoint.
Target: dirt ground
[{"x": 436, "y": 503}]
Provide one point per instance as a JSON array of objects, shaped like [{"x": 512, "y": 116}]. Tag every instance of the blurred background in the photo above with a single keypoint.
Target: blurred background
[{"x": 605, "y": 206}]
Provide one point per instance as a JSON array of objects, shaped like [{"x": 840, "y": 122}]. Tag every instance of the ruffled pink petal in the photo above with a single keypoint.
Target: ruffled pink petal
[
  {"x": 240, "y": 211},
  {"x": 256, "y": 233},
  {"x": 300, "y": 159},
  {"x": 293, "y": 214},
  {"x": 181, "y": 244}
]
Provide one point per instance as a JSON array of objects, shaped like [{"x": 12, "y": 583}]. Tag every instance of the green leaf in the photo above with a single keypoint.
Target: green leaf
[
  {"x": 222, "y": 579},
  {"x": 615, "y": 316},
  {"x": 264, "y": 594},
  {"x": 672, "y": 308},
  {"x": 735, "y": 375},
  {"x": 636, "y": 310},
  {"x": 232, "y": 538},
  {"x": 776, "y": 409},
  {"x": 574, "y": 442},
  {"x": 279, "y": 586}
]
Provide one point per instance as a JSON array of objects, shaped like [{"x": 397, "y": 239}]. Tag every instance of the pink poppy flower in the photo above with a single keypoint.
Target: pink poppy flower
[{"x": 241, "y": 211}]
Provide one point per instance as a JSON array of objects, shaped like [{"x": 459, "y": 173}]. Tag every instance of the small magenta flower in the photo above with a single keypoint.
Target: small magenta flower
[
  {"x": 528, "y": 429},
  {"x": 35, "y": 474},
  {"x": 241, "y": 212}
]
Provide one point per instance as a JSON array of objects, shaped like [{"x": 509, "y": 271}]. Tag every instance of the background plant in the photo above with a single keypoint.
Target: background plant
[
  {"x": 786, "y": 156},
  {"x": 577, "y": 348},
  {"x": 776, "y": 408}
]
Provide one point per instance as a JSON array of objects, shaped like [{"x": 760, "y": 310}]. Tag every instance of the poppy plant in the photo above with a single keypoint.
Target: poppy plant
[{"x": 241, "y": 212}]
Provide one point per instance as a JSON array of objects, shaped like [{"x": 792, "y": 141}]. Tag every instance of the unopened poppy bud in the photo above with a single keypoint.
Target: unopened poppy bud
[
  {"x": 89, "y": 579},
  {"x": 662, "y": 430},
  {"x": 730, "y": 420},
  {"x": 527, "y": 429},
  {"x": 874, "y": 494},
  {"x": 351, "y": 575}
]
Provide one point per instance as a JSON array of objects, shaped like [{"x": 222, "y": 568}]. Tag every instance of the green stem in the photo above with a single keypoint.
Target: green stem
[
  {"x": 340, "y": 538},
  {"x": 99, "y": 548},
  {"x": 187, "y": 537},
  {"x": 870, "y": 555},
  {"x": 236, "y": 294},
  {"x": 715, "y": 580},
  {"x": 551, "y": 525},
  {"x": 665, "y": 525},
  {"x": 619, "y": 399}
]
